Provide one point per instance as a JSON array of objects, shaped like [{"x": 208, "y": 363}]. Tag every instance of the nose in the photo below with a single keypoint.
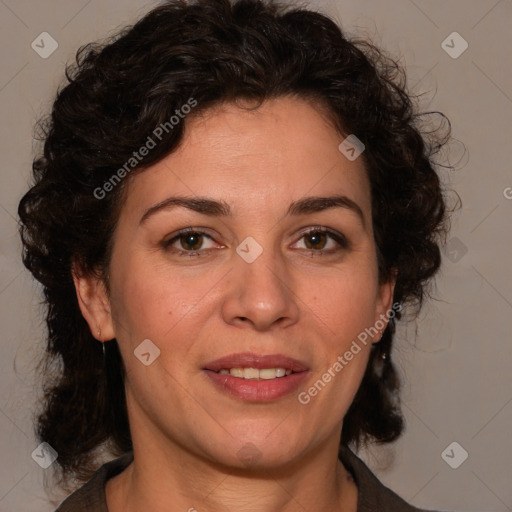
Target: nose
[{"x": 260, "y": 294}]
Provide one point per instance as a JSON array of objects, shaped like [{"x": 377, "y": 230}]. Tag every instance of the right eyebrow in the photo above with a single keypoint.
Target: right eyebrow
[{"x": 203, "y": 205}]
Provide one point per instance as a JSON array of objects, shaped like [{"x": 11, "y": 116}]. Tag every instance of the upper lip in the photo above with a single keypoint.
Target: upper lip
[{"x": 259, "y": 361}]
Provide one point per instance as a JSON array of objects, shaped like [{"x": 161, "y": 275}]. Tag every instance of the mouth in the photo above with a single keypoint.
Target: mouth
[{"x": 255, "y": 377}]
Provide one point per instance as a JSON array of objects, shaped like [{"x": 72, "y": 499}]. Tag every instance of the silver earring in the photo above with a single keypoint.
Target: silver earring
[
  {"x": 384, "y": 355},
  {"x": 102, "y": 342}
]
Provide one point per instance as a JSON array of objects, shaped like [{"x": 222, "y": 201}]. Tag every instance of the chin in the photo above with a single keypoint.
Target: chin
[{"x": 259, "y": 451}]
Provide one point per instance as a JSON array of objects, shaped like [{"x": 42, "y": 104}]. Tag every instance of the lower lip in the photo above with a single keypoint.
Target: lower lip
[{"x": 257, "y": 390}]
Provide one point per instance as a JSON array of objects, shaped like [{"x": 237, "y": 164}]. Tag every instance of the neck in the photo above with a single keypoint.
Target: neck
[{"x": 174, "y": 480}]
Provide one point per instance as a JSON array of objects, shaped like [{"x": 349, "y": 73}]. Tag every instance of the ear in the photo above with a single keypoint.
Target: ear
[
  {"x": 95, "y": 305},
  {"x": 384, "y": 306}
]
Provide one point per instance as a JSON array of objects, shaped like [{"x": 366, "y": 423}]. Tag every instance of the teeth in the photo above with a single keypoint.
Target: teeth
[
  {"x": 255, "y": 374},
  {"x": 269, "y": 373},
  {"x": 251, "y": 373},
  {"x": 237, "y": 372}
]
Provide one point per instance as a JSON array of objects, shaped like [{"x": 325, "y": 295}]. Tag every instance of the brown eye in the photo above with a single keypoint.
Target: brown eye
[
  {"x": 323, "y": 241},
  {"x": 316, "y": 240},
  {"x": 191, "y": 241}
]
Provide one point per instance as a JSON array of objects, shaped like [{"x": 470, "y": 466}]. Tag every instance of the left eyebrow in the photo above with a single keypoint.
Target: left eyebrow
[
  {"x": 318, "y": 204},
  {"x": 214, "y": 208}
]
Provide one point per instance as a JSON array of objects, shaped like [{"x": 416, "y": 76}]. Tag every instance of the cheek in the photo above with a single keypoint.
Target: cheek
[
  {"x": 347, "y": 306},
  {"x": 144, "y": 298},
  {"x": 152, "y": 302}
]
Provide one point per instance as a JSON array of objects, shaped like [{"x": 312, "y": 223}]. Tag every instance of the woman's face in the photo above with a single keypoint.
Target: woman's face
[{"x": 247, "y": 287}]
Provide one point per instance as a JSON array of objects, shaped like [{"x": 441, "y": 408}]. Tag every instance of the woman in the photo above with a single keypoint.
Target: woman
[{"x": 233, "y": 204}]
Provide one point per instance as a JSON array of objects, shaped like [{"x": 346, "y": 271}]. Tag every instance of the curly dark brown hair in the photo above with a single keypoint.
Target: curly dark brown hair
[{"x": 117, "y": 93}]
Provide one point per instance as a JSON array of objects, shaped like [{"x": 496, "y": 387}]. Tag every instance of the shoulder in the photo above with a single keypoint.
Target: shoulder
[
  {"x": 372, "y": 494},
  {"x": 91, "y": 496}
]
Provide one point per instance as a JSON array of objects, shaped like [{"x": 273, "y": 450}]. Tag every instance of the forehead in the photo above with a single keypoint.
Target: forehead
[{"x": 255, "y": 159}]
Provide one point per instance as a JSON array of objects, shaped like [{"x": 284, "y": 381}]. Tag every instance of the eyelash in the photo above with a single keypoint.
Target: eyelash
[{"x": 337, "y": 237}]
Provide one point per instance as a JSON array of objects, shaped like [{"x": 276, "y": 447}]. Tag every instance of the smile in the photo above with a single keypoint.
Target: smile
[{"x": 257, "y": 377}]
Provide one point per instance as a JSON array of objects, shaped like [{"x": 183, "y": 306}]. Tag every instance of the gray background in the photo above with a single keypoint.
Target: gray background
[{"x": 456, "y": 358}]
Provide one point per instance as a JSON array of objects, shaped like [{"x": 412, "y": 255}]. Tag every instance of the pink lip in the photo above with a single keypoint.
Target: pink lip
[
  {"x": 250, "y": 360},
  {"x": 257, "y": 390}
]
